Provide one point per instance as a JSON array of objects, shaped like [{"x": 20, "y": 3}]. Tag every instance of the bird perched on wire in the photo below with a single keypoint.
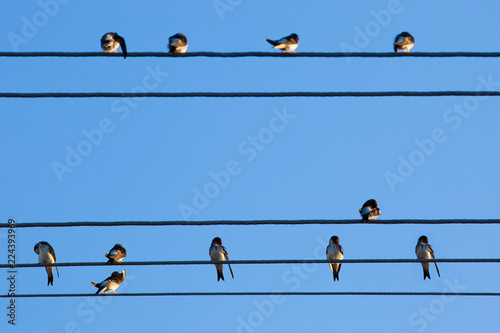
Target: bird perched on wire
[
  {"x": 424, "y": 251},
  {"x": 404, "y": 41},
  {"x": 116, "y": 254},
  {"x": 334, "y": 251},
  {"x": 111, "y": 41},
  {"x": 111, "y": 283},
  {"x": 218, "y": 252},
  {"x": 177, "y": 43},
  {"x": 288, "y": 43},
  {"x": 370, "y": 210},
  {"x": 46, "y": 255}
]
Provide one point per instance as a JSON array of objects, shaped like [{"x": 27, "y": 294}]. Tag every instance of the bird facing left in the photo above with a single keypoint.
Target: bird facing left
[{"x": 111, "y": 41}]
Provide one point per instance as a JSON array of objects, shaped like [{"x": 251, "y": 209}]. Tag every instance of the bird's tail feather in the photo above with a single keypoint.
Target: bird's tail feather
[
  {"x": 426, "y": 274},
  {"x": 272, "y": 42},
  {"x": 231, "y": 270},
  {"x": 97, "y": 285},
  {"x": 50, "y": 276},
  {"x": 220, "y": 275}
]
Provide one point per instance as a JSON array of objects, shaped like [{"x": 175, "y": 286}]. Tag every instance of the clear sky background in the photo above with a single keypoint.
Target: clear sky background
[{"x": 322, "y": 161}]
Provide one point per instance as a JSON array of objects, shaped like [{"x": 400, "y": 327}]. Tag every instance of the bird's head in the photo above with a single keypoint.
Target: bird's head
[
  {"x": 423, "y": 239},
  {"x": 217, "y": 241},
  {"x": 334, "y": 240}
]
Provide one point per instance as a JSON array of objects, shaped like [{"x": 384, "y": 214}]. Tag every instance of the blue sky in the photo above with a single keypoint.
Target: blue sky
[{"x": 290, "y": 158}]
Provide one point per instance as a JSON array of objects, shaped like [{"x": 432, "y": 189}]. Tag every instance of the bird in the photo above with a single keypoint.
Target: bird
[
  {"x": 424, "y": 251},
  {"x": 111, "y": 283},
  {"x": 370, "y": 210},
  {"x": 334, "y": 251},
  {"x": 404, "y": 41},
  {"x": 111, "y": 41},
  {"x": 116, "y": 254},
  {"x": 177, "y": 43},
  {"x": 218, "y": 252},
  {"x": 46, "y": 255},
  {"x": 288, "y": 43}
]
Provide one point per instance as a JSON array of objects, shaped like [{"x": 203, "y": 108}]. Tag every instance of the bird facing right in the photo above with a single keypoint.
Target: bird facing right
[
  {"x": 218, "y": 252},
  {"x": 111, "y": 283},
  {"x": 424, "y": 251},
  {"x": 288, "y": 43},
  {"x": 177, "y": 44},
  {"x": 334, "y": 251},
  {"x": 116, "y": 254},
  {"x": 370, "y": 210},
  {"x": 46, "y": 255},
  {"x": 404, "y": 41}
]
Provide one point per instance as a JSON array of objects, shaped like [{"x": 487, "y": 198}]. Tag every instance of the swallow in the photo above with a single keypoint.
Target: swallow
[
  {"x": 288, "y": 43},
  {"x": 116, "y": 254},
  {"x": 369, "y": 211},
  {"x": 334, "y": 251},
  {"x": 111, "y": 41},
  {"x": 177, "y": 43},
  {"x": 218, "y": 252},
  {"x": 404, "y": 41},
  {"x": 46, "y": 255},
  {"x": 424, "y": 251},
  {"x": 111, "y": 283}
]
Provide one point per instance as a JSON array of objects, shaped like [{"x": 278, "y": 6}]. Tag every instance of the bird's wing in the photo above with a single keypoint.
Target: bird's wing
[
  {"x": 401, "y": 41},
  {"x": 227, "y": 258},
  {"x": 433, "y": 257},
  {"x": 53, "y": 254},
  {"x": 284, "y": 40},
  {"x": 121, "y": 40}
]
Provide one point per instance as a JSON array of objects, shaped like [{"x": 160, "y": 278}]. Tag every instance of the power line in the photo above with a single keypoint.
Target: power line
[
  {"x": 239, "y": 223},
  {"x": 257, "y": 262},
  {"x": 254, "y": 94},
  {"x": 265, "y": 293},
  {"x": 255, "y": 54}
]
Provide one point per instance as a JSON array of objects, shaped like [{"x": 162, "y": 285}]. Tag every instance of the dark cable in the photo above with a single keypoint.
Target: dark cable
[
  {"x": 254, "y": 94},
  {"x": 254, "y": 54},
  {"x": 238, "y": 223},
  {"x": 277, "y": 293},
  {"x": 258, "y": 262}
]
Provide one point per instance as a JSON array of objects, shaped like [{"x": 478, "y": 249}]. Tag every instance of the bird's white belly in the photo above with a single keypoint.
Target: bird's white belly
[
  {"x": 217, "y": 256},
  {"x": 45, "y": 258},
  {"x": 423, "y": 254}
]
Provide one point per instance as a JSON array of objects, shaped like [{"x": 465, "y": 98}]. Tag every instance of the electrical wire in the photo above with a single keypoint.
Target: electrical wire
[
  {"x": 265, "y": 293},
  {"x": 257, "y": 262},
  {"x": 256, "y": 54},
  {"x": 253, "y": 94},
  {"x": 238, "y": 223}
]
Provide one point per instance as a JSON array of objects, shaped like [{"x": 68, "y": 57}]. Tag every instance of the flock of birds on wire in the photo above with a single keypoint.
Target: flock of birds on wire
[
  {"x": 217, "y": 252},
  {"x": 178, "y": 43}
]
